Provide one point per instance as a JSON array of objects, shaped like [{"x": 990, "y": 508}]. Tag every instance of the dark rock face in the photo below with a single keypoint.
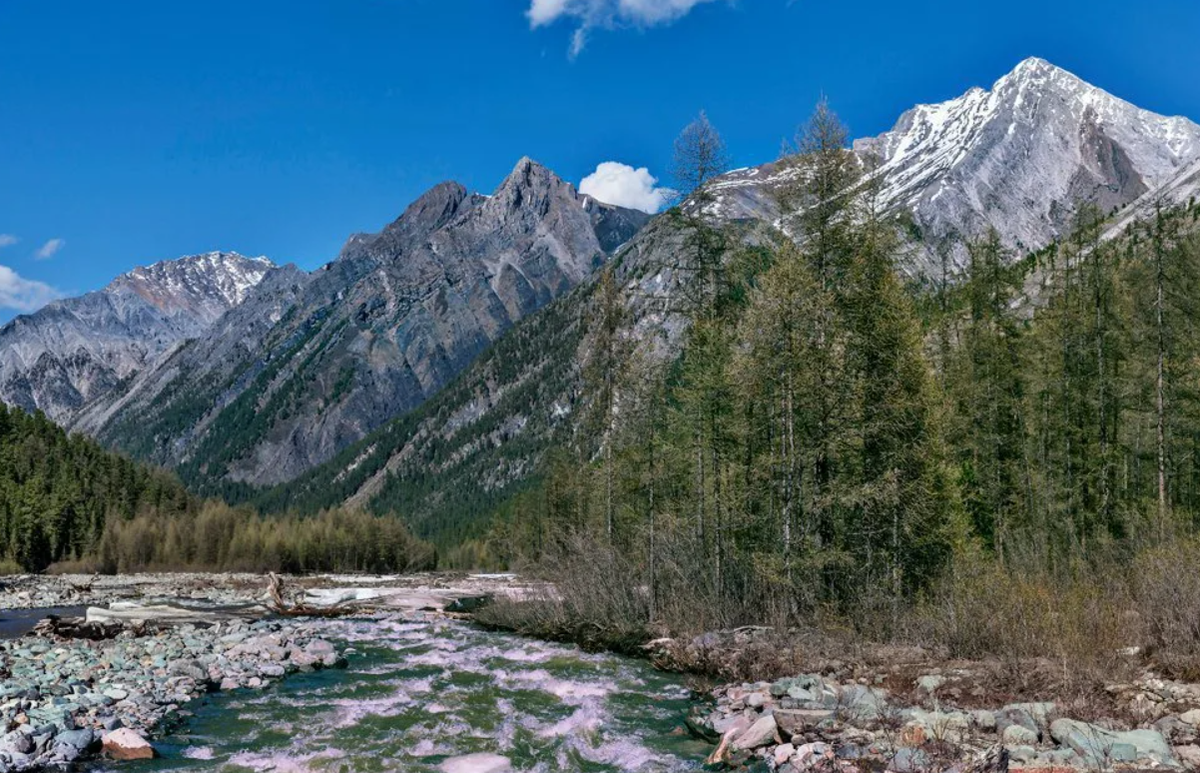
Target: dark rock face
[
  {"x": 75, "y": 352},
  {"x": 308, "y": 365}
]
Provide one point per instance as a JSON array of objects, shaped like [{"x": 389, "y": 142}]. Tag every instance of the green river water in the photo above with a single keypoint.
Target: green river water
[{"x": 440, "y": 695}]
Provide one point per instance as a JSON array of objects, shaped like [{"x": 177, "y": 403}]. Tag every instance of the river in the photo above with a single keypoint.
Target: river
[{"x": 441, "y": 695}]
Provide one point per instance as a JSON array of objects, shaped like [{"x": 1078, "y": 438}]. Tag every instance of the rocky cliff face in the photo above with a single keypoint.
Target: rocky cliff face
[
  {"x": 75, "y": 352},
  {"x": 367, "y": 338},
  {"x": 1017, "y": 157}
]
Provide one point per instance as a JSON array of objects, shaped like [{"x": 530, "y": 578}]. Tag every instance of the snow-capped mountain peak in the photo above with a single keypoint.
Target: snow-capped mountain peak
[
  {"x": 73, "y": 351},
  {"x": 209, "y": 283},
  {"x": 1018, "y": 157}
]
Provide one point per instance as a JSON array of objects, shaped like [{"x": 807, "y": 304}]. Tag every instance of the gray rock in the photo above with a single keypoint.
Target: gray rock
[
  {"x": 1098, "y": 746},
  {"x": 1018, "y": 735},
  {"x": 908, "y": 760},
  {"x": 762, "y": 733},
  {"x": 930, "y": 683}
]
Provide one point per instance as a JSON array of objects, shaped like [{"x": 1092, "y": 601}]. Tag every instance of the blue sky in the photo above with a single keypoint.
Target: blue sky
[{"x": 132, "y": 131}]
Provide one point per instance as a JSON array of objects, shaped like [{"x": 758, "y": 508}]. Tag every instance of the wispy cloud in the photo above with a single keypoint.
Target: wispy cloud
[
  {"x": 8, "y": 240},
  {"x": 606, "y": 14},
  {"x": 21, "y": 294},
  {"x": 50, "y": 249},
  {"x": 624, "y": 186}
]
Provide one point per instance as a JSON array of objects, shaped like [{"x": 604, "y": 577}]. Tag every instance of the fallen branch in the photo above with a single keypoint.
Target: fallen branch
[
  {"x": 280, "y": 606},
  {"x": 84, "y": 587}
]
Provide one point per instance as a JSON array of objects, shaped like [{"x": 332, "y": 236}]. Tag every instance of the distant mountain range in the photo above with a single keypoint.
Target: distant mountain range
[
  {"x": 74, "y": 352},
  {"x": 1017, "y": 158},
  {"x": 308, "y": 364},
  {"x": 392, "y": 376}
]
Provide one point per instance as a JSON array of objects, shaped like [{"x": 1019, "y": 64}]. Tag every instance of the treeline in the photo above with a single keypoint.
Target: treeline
[
  {"x": 223, "y": 538},
  {"x": 57, "y": 491},
  {"x": 832, "y": 440},
  {"x": 66, "y": 501}
]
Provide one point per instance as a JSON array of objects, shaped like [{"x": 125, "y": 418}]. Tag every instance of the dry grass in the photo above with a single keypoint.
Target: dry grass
[{"x": 1001, "y": 636}]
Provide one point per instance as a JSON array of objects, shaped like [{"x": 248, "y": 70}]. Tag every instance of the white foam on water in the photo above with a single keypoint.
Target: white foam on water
[
  {"x": 477, "y": 763},
  {"x": 198, "y": 752},
  {"x": 426, "y": 747},
  {"x": 283, "y": 762},
  {"x": 349, "y": 711},
  {"x": 567, "y": 690},
  {"x": 585, "y": 721}
]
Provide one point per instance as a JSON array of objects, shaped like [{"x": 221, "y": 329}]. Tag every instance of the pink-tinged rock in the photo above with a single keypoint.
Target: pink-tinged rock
[
  {"x": 762, "y": 733},
  {"x": 125, "y": 744}
]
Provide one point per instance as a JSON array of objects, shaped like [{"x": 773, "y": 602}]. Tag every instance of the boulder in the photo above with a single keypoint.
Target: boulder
[
  {"x": 468, "y": 604},
  {"x": 762, "y": 733},
  {"x": 125, "y": 744},
  {"x": 984, "y": 719},
  {"x": 1099, "y": 747},
  {"x": 1018, "y": 735},
  {"x": 796, "y": 721},
  {"x": 930, "y": 683}
]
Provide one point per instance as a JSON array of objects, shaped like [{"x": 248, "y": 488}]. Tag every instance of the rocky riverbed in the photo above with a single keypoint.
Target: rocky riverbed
[
  {"x": 812, "y": 722},
  {"x": 152, "y": 644},
  {"x": 428, "y": 691},
  {"x": 67, "y": 699}
]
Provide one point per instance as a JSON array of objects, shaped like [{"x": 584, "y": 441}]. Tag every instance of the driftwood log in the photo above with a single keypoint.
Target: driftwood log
[
  {"x": 296, "y": 608},
  {"x": 81, "y": 628}
]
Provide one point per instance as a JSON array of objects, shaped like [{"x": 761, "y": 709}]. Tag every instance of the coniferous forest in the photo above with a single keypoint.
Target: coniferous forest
[
  {"x": 65, "y": 500},
  {"x": 1010, "y": 445}
]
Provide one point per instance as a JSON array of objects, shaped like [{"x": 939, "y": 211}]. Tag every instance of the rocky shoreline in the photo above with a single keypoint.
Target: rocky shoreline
[
  {"x": 64, "y": 700},
  {"x": 159, "y": 642},
  {"x": 814, "y": 723},
  {"x": 151, "y": 644}
]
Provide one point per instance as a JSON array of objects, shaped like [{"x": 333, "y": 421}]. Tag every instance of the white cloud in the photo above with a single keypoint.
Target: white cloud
[
  {"x": 50, "y": 249},
  {"x": 608, "y": 14},
  {"x": 624, "y": 186},
  {"x": 8, "y": 240},
  {"x": 21, "y": 294}
]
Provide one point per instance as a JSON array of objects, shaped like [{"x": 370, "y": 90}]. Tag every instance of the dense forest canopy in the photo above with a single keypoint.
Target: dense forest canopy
[{"x": 63, "y": 498}]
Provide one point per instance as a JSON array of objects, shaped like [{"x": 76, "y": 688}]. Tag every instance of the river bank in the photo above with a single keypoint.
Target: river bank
[
  {"x": 806, "y": 700},
  {"x": 431, "y": 691},
  {"x": 150, "y": 645}
]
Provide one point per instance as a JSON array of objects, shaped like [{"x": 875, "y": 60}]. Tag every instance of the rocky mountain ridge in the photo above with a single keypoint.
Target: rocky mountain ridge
[
  {"x": 76, "y": 351},
  {"x": 478, "y": 441},
  {"x": 1017, "y": 157},
  {"x": 313, "y": 366},
  {"x": 308, "y": 365}
]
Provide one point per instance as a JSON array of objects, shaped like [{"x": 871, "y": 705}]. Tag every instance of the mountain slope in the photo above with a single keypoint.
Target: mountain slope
[
  {"x": 1017, "y": 157},
  {"x": 491, "y": 430},
  {"x": 76, "y": 351},
  {"x": 488, "y": 433},
  {"x": 370, "y": 336}
]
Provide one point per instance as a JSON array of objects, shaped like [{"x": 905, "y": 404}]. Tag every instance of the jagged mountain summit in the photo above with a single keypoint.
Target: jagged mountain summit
[
  {"x": 1017, "y": 157},
  {"x": 312, "y": 366},
  {"x": 76, "y": 351}
]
